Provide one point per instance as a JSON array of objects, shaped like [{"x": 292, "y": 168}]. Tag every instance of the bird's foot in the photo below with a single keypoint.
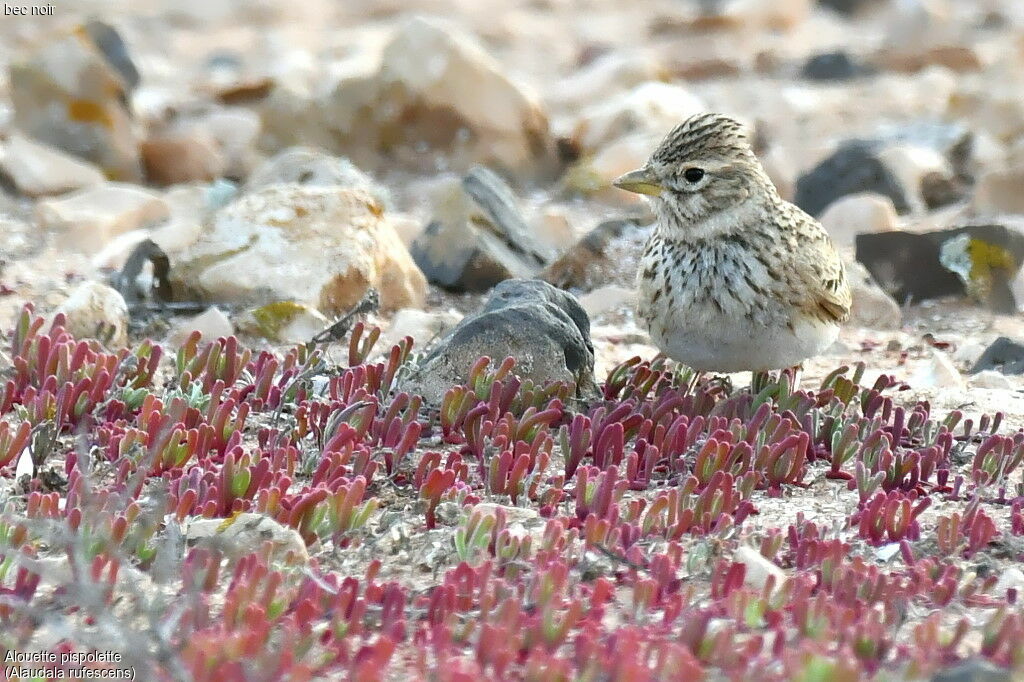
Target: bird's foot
[{"x": 722, "y": 382}]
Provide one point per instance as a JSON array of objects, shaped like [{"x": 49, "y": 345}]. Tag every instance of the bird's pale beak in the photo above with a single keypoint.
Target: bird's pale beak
[{"x": 641, "y": 181}]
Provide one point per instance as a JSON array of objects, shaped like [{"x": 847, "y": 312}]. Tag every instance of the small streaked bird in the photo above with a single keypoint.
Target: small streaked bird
[{"x": 733, "y": 278}]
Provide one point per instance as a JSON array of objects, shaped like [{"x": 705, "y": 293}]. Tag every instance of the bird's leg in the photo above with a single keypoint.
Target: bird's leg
[
  {"x": 759, "y": 380},
  {"x": 794, "y": 375},
  {"x": 723, "y": 380},
  {"x": 693, "y": 381}
]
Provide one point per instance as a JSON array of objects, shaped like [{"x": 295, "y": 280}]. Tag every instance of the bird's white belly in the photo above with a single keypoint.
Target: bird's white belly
[{"x": 719, "y": 343}]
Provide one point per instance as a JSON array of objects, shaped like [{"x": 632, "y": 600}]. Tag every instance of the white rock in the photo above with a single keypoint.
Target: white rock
[
  {"x": 25, "y": 466},
  {"x": 855, "y": 214},
  {"x": 212, "y": 324},
  {"x": 37, "y": 169},
  {"x": 1012, "y": 578},
  {"x": 939, "y": 372},
  {"x": 871, "y": 307},
  {"x": 246, "y": 533},
  {"x": 758, "y": 569},
  {"x": 423, "y": 326},
  {"x": 607, "y": 299},
  {"x": 1000, "y": 191},
  {"x": 91, "y": 217},
  {"x": 990, "y": 378},
  {"x": 323, "y": 246},
  {"x": 94, "y": 310},
  {"x": 652, "y": 108}
]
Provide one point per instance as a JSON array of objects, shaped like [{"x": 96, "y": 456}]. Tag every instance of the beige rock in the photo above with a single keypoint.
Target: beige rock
[
  {"x": 652, "y": 108},
  {"x": 778, "y": 163},
  {"x": 191, "y": 207},
  {"x": 96, "y": 311},
  {"x": 855, "y": 214},
  {"x": 66, "y": 94},
  {"x": 212, "y": 324},
  {"x": 871, "y": 307},
  {"x": 407, "y": 227},
  {"x": 235, "y": 132},
  {"x": 956, "y": 58},
  {"x": 593, "y": 176},
  {"x": 758, "y": 569},
  {"x": 245, "y": 533},
  {"x": 38, "y": 169},
  {"x": 91, "y": 217},
  {"x": 323, "y": 246},
  {"x": 778, "y": 15},
  {"x": 437, "y": 88},
  {"x": 284, "y": 322},
  {"x": 1000, "y": 191},
  {"x": 308, "y": 166},
  {"x": 179, "y": 158},
  {"x": 552, "y": 226},
  {"x": 523, "y": 515}
]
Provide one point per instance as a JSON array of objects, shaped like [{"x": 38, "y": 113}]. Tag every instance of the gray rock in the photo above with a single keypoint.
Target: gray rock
[
  {"x": 979, "y": 260},
  {"x": 853, "y": 168},
  {"x": 974, "y": 670},
  {"x": 889, "y": 163},
  {"x": 109, "y": 42},
  {"x": 543, "y": 328},
  {"x": 847, "y": 7},
  {"x": 478, "y": 237},
  {"x": 833, "y": 66},
  {"x": 1003, "y": 354}
]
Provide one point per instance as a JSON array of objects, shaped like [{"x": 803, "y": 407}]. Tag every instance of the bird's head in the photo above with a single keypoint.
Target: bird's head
[{"x": 704, "y": 167}]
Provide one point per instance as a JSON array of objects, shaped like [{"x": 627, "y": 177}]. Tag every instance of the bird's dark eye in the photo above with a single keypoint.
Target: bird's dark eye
[{"x": 693, "y": 174}]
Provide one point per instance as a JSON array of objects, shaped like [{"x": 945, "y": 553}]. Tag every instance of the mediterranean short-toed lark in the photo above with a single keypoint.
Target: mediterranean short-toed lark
[{"x": 734, "y": 278}]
